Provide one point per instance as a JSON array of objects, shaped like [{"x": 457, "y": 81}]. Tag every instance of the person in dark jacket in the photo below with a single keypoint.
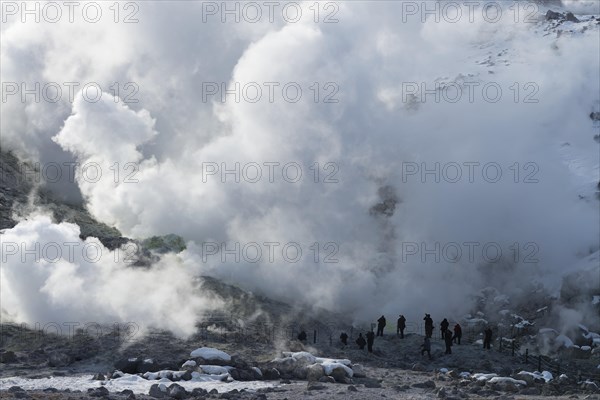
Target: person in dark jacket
[
  {"x": 302, "y": 336},
  {"x": 361, "y": 342},
  {"x": 380, "y": 325},
  {"x": 426, "y": 347},
  {"x": 401, "y": 326},
  {"x": 370, "y": 341},
  {"x": 487, "y": 338},
  {"x": 344, "y": 338},
  {"x": 457, "y": 333},
  {"x": 448, "y": 340},
  {"x": 428, "y": 325},
  {"x": 444, "y": 327}
]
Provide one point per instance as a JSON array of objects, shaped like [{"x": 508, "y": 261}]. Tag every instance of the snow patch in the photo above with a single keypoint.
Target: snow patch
[{"x": 209, "y": 353}]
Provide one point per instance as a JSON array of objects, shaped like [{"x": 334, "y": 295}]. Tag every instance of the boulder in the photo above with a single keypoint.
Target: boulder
[
  {"x": 327, "y": 379},
  {"x": 177, "y": 391},
  {"x": 314, "y": 372},
  {"x": 552, "y": 15},
  {"x": 571, "y": 18},
  {"x": 158, "y": 391},
  {"x": 339, "y": 374},
  {"x": 99, "y": 377},
  {"x": 99, "y": 392},
  {"x": 271, "y": 374},
  {"x": 242, "y": 374},
  {"x": 147, "y": 365},
  {"x": 359, "y": 371},
  {"x": 128, "y": 365}
]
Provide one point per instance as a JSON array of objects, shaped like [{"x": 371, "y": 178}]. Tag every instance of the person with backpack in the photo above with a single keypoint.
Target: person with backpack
[
  {"x": 361, "y": 342},
  {"x": 370, "y": 341},
  {"x": 380, "y": 325},
  {"x": 401, "y": 326},
  {"x": 457, "y": 333},
  {"x": 344, "y": 338}
]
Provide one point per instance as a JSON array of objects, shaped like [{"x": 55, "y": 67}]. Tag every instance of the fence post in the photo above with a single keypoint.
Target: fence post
[
  {"x": 526, "y": 356},
  {"x": 315, "y": 336},
  {"x": 540, "y": 363}
]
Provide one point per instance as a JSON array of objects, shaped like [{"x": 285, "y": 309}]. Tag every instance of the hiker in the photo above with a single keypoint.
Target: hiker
[
  {"x": 487, "y": 339},
  {"x": 302, "y": 336},
  {"x": 401, "y": 326},
  {"x": 457, "y": 333},
  {"x": 344, "y": 338},
  {"x": 428, "y": 325},
  {"x": 448, "y": 340},
  {"x": 444, "y": 327},
  {"x": 426, "y": 347},
  {"x": 370, "y": 340},
  {"x": 361, "y": 342},
  {"x": 380, "y": 325}
]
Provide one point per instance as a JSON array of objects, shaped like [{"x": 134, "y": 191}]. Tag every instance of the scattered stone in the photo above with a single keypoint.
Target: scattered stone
[
  {"x": 327, "y": 379},
  {"x": 370, "y": 383},
  {"x": 272, "y": 374},
  {"x": 158, "y": 391},
  {"x": 425, "y": 385},
  {"x": 352, "y": 388},
  {"x": 552, "y": 15},
  {"x": 315, "y": 386},
  {"x": 314, "y": 372},
  {"x": 14, "y": 389},
  {"x": 418, "y": 367},
  {"x": 99, "y": 392}
]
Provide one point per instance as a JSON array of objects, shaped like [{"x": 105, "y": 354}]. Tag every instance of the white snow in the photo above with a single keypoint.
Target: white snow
[
  {"x": 209, "y": 353},
  {"x": 215, "y": 369},
  {"x": 189, "y": 363},
  {"x": 257, "y": 370},
  {"x": 444, "y": 370},
  {"x": 547, "y": 375},
  {"x": 596, "y": 300},
  {"x": 484, "y": 377},
  {"x": 564, "y": 341},
  {"x": 586, "y": 348},
  {"x": 465, "y": 375},
  {"x": 135, "y": 383},
  {"x": 502, "y": 379},
  {"x": 329, "y": 366}
]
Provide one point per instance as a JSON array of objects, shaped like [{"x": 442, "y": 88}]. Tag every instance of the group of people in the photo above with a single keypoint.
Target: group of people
[{"x": 450, "y": 337}]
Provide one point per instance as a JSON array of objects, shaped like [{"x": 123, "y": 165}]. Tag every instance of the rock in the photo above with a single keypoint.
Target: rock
[
  {"x": 571, "y": 18},
  {"x": 128, "y": 365},
  {"x": 359, "y": 371},
  {"x": 242, "y": 374},
  {"x": 595, "y": 116},
  {"x": 326, "y": 379},
  {"x": 158, "y": 391},
  {"x": 14, "y": 389},
  {"x": 8, "y": 357},
  {"x": 418, "y": 367},
  {"x": 147, "y": 365},
  {"x": 370, "y": 383},
  {"x": 552, "y": 15},
  {"x": 128, "y": 393},
  {"x": 199, "y": 392},
  {"x": 315, "y": 386},
  {"x": 300, "y": 372},
  {"x": 57, "y": 359},
  {"x": 271, "y": 374},
  {"x": 425, "y": 385},
  {"x": 99, "y": 392},
  {"x": 339, "y": 374},
  {"x": 441, "y": 393},
  {"x": 256, "y": 374},
  {"x": 99, "y": 377},
  {"x": 177, "y": 391},
  {"x": 187, "y": 376},
  {"x": 352, "y": 388},
  {"x": 314, "y": 372}
]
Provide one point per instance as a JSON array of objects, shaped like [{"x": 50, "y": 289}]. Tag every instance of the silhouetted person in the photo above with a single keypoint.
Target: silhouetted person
[
  {"x": 428, "y": 325},
  {"x": 457, "y": 333},
  {"x": 487, "y": 338},
  {"x": 361, "y": 342},
  {"x": 302, "y": 336},
  {"x": 370, "y": 340},
  {"x": 401, "y": 326},
  {"x": 426, "y": 347},
  {"x": 344, "y": 338},
  {"x": 444, "y": 327},
  {"x": 448, "y": 340},
  {"x": 380, "y": 325}
]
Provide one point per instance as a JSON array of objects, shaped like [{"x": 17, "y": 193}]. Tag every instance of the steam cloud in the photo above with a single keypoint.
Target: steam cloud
[{"x": 371, "y": 135}]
